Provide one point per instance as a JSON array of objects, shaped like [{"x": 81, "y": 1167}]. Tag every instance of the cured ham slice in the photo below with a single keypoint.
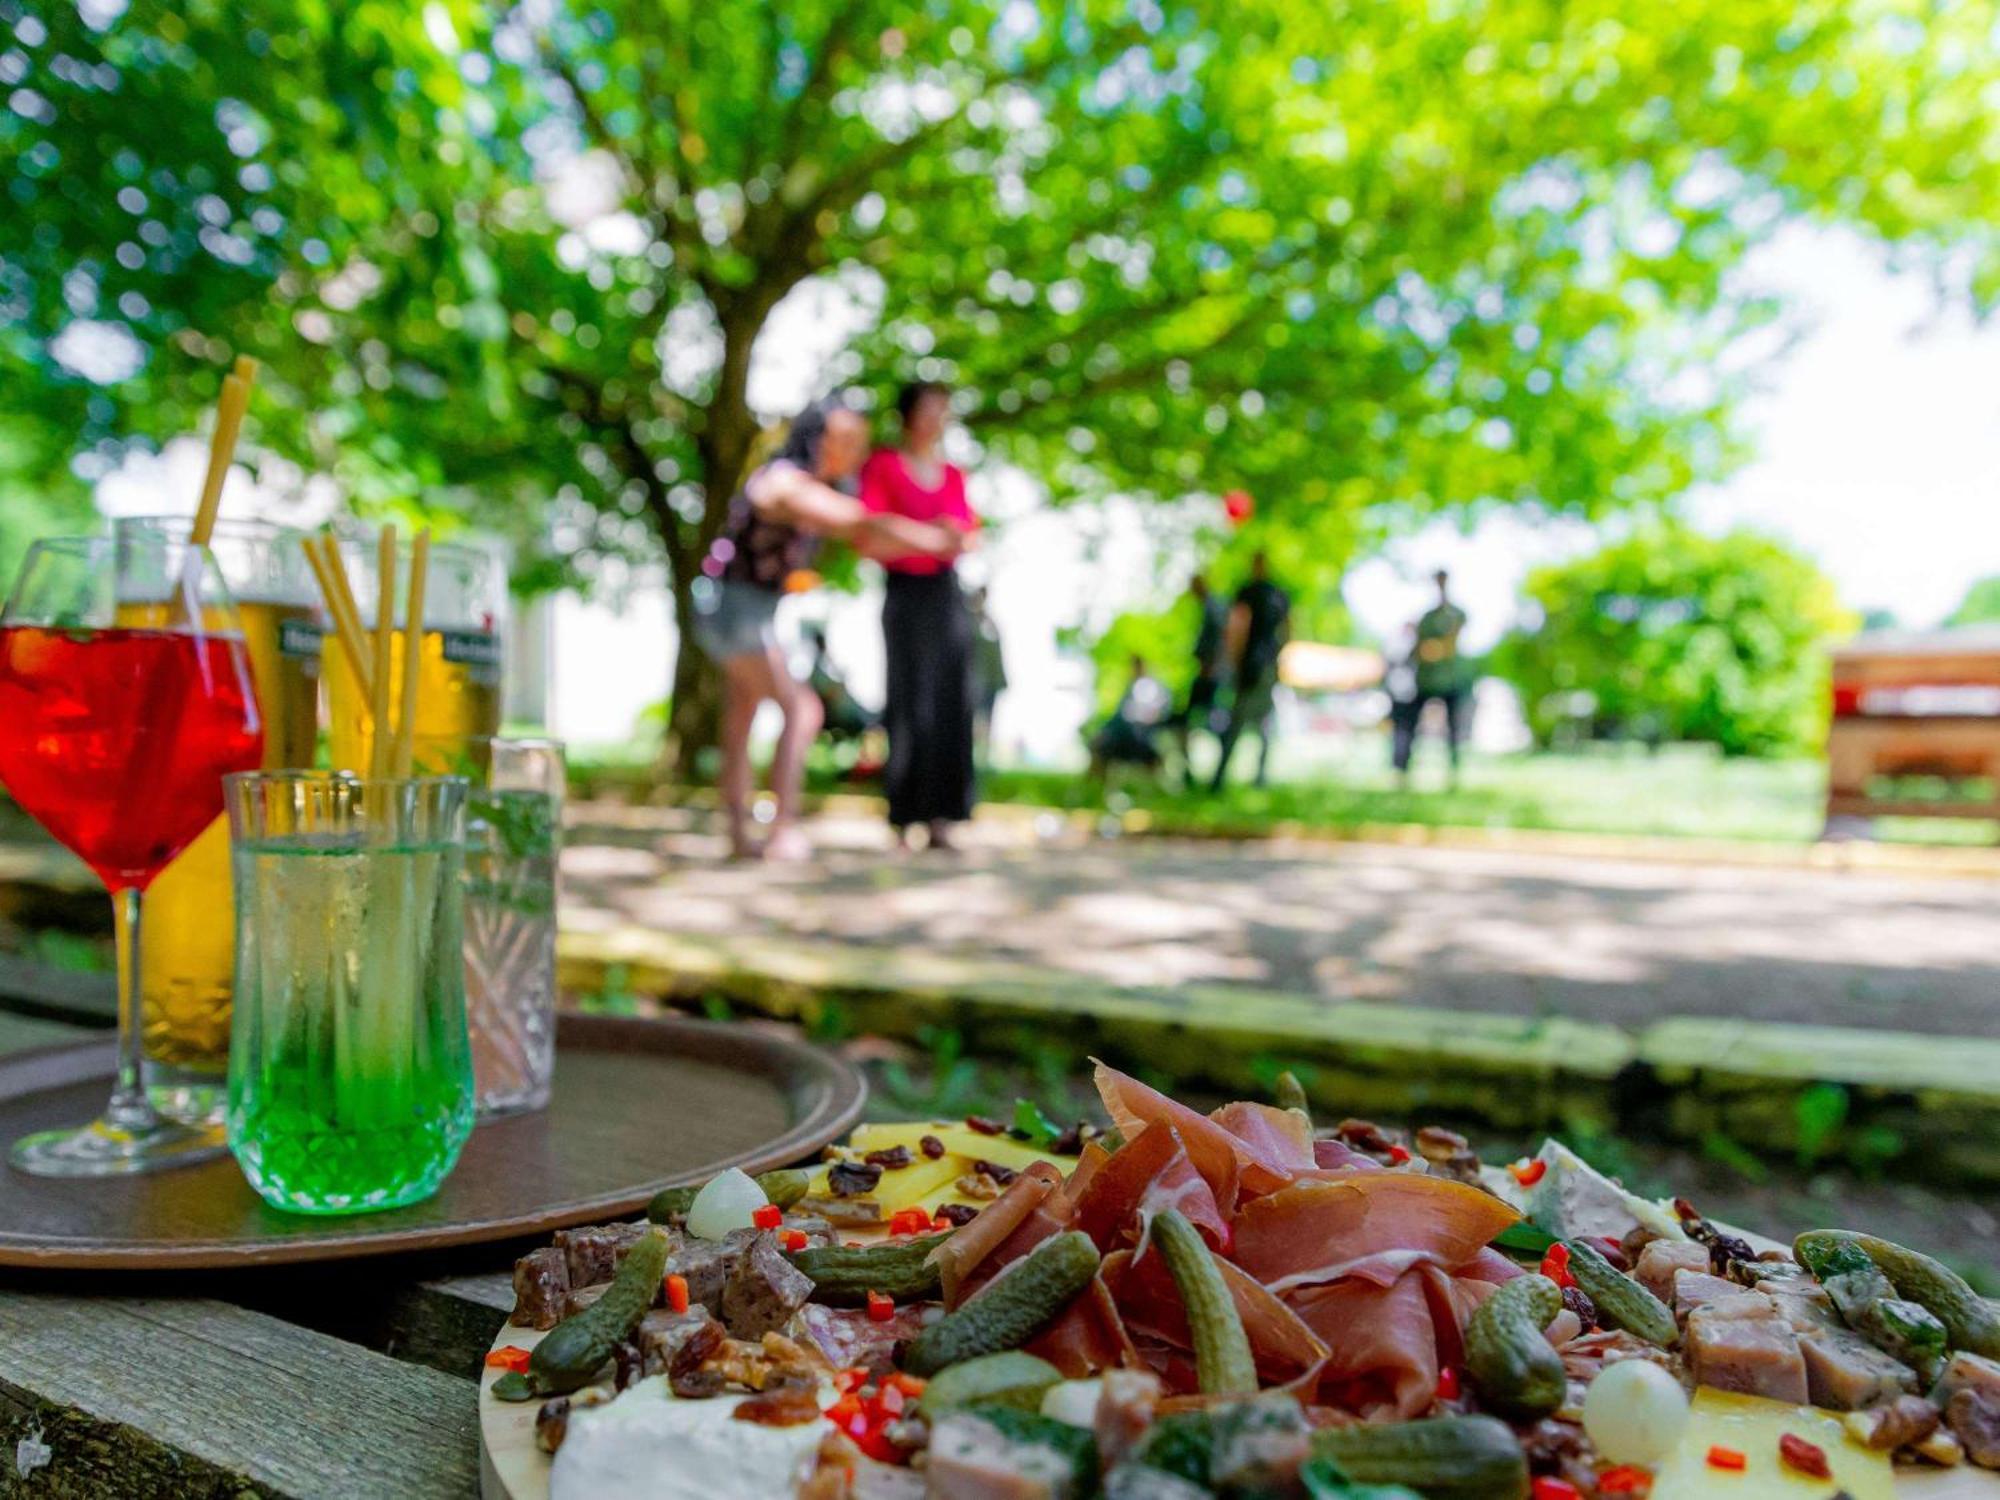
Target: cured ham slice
[
  {"x": 1150, "y": 1173},
  {"x": 1231, "y": 1165},
  {"x": 1088, "y": 1338},
  {"x": 1372, "y": 1225},
  {"x": 1382, "y": 1344},
  {"x": 1283, "y": 1346},
  {"x": 960, "y": 1255}
]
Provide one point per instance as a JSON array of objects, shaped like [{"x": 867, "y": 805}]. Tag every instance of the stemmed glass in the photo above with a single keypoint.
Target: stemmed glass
[{"x": 125, "y": 697}]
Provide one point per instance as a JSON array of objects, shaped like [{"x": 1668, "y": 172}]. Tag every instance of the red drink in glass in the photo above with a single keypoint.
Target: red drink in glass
[{"x": 117, "y": 740}]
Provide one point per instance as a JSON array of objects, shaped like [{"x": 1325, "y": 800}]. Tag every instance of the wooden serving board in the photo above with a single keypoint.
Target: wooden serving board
[{"x": 639, "y": 1105}]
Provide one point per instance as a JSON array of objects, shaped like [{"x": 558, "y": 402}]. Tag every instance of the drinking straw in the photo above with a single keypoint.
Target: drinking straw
[
  {"x": 380, "y": 749},
  {"x": 413, "y": 634},
  {"x": 222, "y": 446},
  {"x": 332, "y": 575}
]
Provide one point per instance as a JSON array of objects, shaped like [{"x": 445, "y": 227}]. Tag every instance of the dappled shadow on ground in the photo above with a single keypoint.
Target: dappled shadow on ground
[{"x": 1612, "y": 940}]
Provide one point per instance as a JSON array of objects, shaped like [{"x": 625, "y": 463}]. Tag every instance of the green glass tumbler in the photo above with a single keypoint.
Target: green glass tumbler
[{"x": 350, "y": 1071}]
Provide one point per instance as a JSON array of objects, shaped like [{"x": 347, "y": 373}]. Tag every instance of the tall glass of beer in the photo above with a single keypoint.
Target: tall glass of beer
[
  {"x": 458, "y": 658},
  {"x": 185, "y": 964}
]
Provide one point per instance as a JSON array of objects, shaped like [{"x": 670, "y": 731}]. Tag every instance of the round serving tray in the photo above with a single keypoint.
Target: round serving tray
[{"x": 639, "y": 1105}]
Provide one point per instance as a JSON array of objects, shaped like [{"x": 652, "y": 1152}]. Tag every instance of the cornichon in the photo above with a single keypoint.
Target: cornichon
[
  {"x": 1970, "y": 1321},
  {"x": 1447, "y": 1458},
  {"x": 1011, "y": 1310},
  {"x": 784, "y": 1188},
  {"x": 1222, "y": 1362},
  {"x": 844, "y": 1275},
  {"x": 1620, "y": 1301},
  {"x": 1866, "y": 1300},
  {"x": 1010, "y": 1378},
  {"x": 1517, "y": 1371},
  {"x": 1291, "y": 1094},
  {"x": 578, "y": 1346}
]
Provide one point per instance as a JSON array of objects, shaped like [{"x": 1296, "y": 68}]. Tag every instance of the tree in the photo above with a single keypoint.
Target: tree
[
  {"x": 1980, "y": 606},
  {"x": 1672, "y": 635},
  {"x": 1374, "y": 263}
]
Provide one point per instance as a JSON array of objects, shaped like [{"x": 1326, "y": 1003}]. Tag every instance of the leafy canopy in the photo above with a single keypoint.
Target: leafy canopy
[
  {"x": 1372, "y": 261},
  {"x": 1980, "y": 606},
  {"x": 1672, "y": 635}
]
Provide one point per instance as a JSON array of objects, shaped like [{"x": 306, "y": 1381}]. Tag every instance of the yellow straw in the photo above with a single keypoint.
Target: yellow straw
[
  {"x": 413, "y": 635},
  {"x": 222, "y": 446},
  {"x": 380, "y": 749},
  {"x": 332, "y": 576}
]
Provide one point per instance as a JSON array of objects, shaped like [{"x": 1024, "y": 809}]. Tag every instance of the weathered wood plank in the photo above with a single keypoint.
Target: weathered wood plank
[
  {"x": 188, "y": 1397},
  {"x": 444, "y": 1322},
  {"x": 57, "y": 994},
  {"x": 20, "y": 1032}
]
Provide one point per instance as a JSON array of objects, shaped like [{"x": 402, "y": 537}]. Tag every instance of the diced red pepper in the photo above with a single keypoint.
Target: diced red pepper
[
  {"x": 767, "y": 1216},
  {"x": 1624, "y": 1479},
  {"x": 792, "y": 1239},
  {"x": 1807, "y": 1458},
  {"x": 1448, "y": 1385},
  {"x": 881, "y": 1307},
  {"x": 843, "y": 1412},
  {"x": 1398, "y": 1154},
  {"x": 1554, "y": 1489},
  {"x": 877, "y": 1444},
  {"x": 851, "y": 1380},
  {"x": 889, "y": 1403},
  {"x": 1732, "y": 1459},
  {"x": 1555, "y": 1266},
  {"x": 509, "y": 1357},
  {"x": 909, "y": 1385},
  {"x": 1528, "y": 1171},
  {"x": 677, "y": 1293},
  {"x": 910, "y": 1221},
  {"x": 941, "y": 1223}
]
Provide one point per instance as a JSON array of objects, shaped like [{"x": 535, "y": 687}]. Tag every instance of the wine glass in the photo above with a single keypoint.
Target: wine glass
[{"x": 125, "y": 697}]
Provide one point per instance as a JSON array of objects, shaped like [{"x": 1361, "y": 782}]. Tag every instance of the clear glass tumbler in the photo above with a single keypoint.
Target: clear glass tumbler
[
  {"x": 350, "y": 1074},
  {"x": 513, "y": 839}
]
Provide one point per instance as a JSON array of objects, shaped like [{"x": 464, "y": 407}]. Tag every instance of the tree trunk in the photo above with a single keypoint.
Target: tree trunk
[{"x": 723, "y": 444}]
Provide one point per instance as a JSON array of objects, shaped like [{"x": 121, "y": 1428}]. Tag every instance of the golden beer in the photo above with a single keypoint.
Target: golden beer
[
  {"x": 458, "y": 693},
  {"x": 189, "y": 954}
]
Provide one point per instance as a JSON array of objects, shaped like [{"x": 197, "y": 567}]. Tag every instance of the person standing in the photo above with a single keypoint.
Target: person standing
[
  {"x": 1211, "y": 666},
  {"x": 926, "y": 628},
  {"x": 1441, "y": 675},
  {"x": 1260, "y": 622},
  {"x": 773, "y": 528},
  {"x": 989, "y": 670}
]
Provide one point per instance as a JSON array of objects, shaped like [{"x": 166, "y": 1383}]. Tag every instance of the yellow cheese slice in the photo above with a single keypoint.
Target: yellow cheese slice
[
  {"x": 1752, "y": 1426},
  {"x": 930, "y": 1182}
]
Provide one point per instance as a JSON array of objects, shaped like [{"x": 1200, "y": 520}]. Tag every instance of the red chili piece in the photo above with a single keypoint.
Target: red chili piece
[
  {"x": 1555, "y": 1489},
  {"x": 677, "y": 1293},
  {"x": 910, "y": 1221},
  {"x": 1527, "y": 1172},
  {"x": 509, "y": 1357},
  {"x": 1398, "y": 1154},
  {"x": 1807, "y": 1458},
  {"x": 1448, "y": 1386},
  {"x": 792, "y": 1239},
  {"x": 1555, "y": 1266},
  {"x": 1625, "y": 1479},
  {"x": 881, "y": 1307},
  {"x": 767, "y": 1216},
  {"x": 1732, "y": 1459}
]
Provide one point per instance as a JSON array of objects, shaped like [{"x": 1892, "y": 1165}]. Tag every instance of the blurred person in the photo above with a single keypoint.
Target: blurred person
[
  {"x": 773, "y": 528},
  {"x": 1441, "y": 676},
  {"x": 1130, "y": 737},
  {"x": 989, "y": 667},
  {"x": 926, "y": 628},
  {"x": 1260, "y": 622},
  {"x": 840, "y": 711},
  {"x": 1211, "y": 669},
  {"x": 1399, "y": 681}
]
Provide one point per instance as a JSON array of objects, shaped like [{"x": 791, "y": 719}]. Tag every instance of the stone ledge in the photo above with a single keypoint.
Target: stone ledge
[{"x": 1686, "y": 1078}]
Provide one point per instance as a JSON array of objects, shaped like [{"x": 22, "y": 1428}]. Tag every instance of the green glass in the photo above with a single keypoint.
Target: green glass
[{"x": 350, "y": 1071}]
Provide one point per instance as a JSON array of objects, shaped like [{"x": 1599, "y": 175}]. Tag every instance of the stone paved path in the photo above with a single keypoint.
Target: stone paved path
[{"x": 1612, "y": 940}]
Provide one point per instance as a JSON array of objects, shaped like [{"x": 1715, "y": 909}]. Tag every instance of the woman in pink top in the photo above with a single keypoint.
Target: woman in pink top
[{"x": 926, "y": 627}]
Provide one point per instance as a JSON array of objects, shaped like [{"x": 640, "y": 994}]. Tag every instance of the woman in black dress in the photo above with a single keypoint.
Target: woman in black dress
[{"x": 926, "y": 627}]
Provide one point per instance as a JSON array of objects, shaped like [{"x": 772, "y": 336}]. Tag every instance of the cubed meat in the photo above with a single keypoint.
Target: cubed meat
[
  {"x": 850, "y": 1339},
  {"x": 541, "y": 1283},
  {"x": 1805, "y": 1306},
  {"x": 1968, "y": 1372},
  {"x": 1844, "y": 1372},
  {"x": 1126, "y": 1400},
  {"x": 707, "y": 1265},
  {"x": 593, "y": 1251},
  {"x": 764, "y": 1292},
  {"x": 1694, "y": 1289},
  {"x": 971, "y": 1459},
  {"x": 816, "y": 1230},
  {"x": 1743, "y": 1345},
  {"x": 1974, "y": 1419},
  {"x": 1659, "y": 1260},
  {"x": 582, "y": 1297},
  {"x": 662, "y": 1332}
]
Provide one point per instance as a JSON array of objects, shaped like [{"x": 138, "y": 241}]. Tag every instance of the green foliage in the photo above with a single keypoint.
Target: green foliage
[
  {"x": 1672, "y": 635},
  {"x": 1371, "y": 262},
  {"x": 1981, "y": 604}
]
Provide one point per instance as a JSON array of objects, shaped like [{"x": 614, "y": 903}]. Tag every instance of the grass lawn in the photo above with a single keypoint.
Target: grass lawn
[{"x": 1682, "y": 791}]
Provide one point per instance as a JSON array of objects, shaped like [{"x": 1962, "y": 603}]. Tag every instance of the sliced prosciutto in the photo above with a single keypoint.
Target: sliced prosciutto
[
  {"x": 1231, "y": 1165},
  {"x": 1374, "y": 1226},
  {"x": 1151, "y": 1172}
]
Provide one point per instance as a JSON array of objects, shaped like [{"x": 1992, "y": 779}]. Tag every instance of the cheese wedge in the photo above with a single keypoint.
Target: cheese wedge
[
  {"x": 931, "y": 1182},
  {"x": 1752, "y": 1426}
]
